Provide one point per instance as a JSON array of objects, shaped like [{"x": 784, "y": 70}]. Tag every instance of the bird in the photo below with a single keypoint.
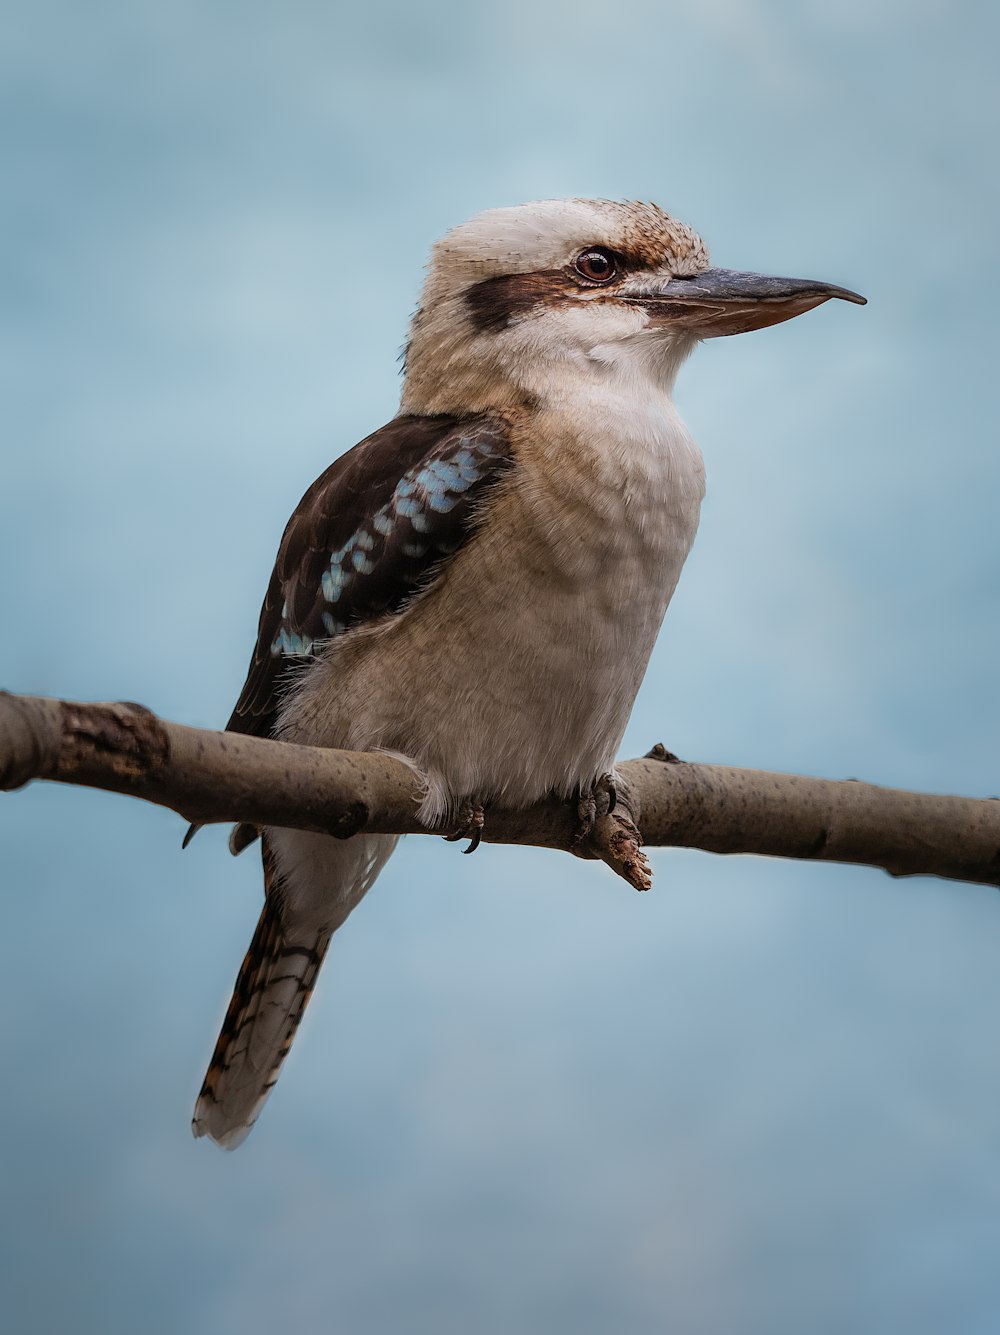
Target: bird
[{"x": 477, "y": 587}]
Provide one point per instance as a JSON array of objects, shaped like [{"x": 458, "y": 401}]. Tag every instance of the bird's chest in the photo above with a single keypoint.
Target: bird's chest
[
  {"x": 605, "y": 515},
  {"x": 601, "y": 524},
  {"x": 515, "y": 673},
  {"x": 536, "y": 641}
]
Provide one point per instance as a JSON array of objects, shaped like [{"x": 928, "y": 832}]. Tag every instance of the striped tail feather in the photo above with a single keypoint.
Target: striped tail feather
[{"x": 272, "y": 991}]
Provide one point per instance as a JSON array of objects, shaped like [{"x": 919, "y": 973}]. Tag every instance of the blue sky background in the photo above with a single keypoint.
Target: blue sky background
[{"x": 765, "y": 1098}]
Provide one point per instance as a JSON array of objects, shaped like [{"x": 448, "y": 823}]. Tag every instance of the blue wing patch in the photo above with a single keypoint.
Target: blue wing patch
[{"x": 434, "y": 487}]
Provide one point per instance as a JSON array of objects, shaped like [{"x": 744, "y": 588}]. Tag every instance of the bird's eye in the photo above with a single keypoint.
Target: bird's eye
[{"x": 597, "y": 265}]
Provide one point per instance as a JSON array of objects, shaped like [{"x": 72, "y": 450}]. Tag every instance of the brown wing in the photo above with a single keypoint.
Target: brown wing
[{"x": 367, "y": 535}]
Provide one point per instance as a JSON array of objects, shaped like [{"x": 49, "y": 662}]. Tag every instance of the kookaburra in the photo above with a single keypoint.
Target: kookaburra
[{"x": 477, "y": 586}]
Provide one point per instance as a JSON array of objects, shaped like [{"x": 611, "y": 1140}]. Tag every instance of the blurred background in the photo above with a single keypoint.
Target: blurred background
[{"x": 763, "y": 1099}]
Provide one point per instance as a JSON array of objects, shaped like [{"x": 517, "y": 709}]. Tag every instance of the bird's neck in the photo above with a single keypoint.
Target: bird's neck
[{"x": 459, "y": 379}]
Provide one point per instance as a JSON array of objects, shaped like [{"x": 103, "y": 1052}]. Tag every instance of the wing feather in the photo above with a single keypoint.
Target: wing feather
[{"x": 365, "y": 537}]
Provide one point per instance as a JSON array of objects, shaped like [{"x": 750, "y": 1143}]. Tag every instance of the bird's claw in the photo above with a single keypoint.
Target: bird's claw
[
  {"x": 472, "y": 818},
  {"x": 598, "y": 800}
]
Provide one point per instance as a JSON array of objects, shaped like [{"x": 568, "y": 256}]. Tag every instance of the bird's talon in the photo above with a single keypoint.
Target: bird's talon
[
  {"x": 586, "y": 815},
  {"x": 473, "y": 818},
  {"x": 606, "y": 784},
  {"x": 599, "y": 800}
]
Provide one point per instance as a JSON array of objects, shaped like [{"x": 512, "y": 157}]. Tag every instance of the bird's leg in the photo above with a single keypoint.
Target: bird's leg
[
  {"x": 472, "y": 818},
  {"x": 600, "y": 799}
]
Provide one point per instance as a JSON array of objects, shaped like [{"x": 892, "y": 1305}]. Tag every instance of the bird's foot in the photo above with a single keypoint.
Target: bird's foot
[
  {"x": 598, "y": 800},
  {"x": 472, "y": 818}
]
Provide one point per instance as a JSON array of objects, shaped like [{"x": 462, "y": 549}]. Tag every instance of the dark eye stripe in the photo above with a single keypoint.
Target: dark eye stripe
[{"x": 495, "y": 302}]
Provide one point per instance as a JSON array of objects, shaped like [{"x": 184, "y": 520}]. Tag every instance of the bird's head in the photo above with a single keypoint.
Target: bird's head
[{"x": 517, "y": 298}]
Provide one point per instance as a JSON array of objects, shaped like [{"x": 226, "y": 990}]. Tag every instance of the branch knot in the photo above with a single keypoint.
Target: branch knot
[{"x": 126, "y": 738}]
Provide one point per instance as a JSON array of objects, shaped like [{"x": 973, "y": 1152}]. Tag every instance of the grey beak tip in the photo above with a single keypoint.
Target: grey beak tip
[{"x": 847, "y": 295}]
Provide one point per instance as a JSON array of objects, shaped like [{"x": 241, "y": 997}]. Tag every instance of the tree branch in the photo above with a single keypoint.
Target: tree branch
[{"x": 216, "y": 776}]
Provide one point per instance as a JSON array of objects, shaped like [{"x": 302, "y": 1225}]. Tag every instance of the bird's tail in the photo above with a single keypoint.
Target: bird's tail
[{"x": 271, "y": 993}]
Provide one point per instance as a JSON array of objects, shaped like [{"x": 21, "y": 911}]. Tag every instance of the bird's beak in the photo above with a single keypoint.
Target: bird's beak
[{"x": 726, "y": 301}]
